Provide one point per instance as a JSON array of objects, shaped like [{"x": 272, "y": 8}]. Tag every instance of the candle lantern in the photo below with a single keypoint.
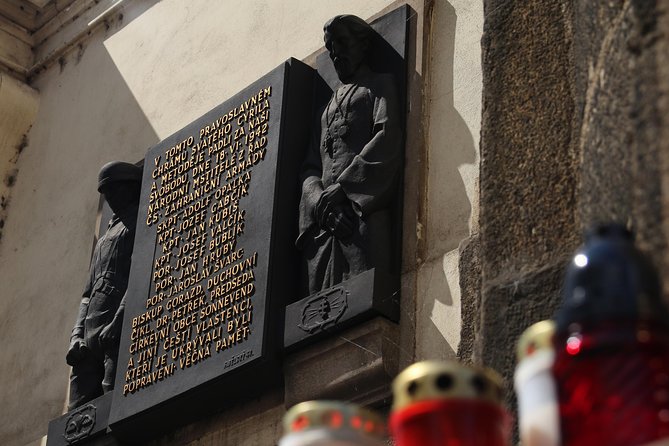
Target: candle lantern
[
  {"x": 447, "y": 404},
  {"x": 612, "y": 346},
  {"x": 332, "y": 423}
]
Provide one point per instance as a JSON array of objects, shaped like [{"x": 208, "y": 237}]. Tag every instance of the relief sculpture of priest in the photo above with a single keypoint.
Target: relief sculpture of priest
[{"x": 351, "y": 172}]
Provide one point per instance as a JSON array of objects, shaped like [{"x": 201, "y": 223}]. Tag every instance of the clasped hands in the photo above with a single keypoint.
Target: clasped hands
[{"x": 334, "y": 212}]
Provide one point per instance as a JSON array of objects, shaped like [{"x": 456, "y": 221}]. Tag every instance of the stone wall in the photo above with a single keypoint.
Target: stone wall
[
  {"x": 528, "y": 170},
  {"x": 574, "y": 113}
]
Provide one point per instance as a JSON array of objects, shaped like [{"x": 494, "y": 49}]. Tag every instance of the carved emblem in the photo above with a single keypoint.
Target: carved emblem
[
  {"x": 80, "y": 423},
  {"x": 325, "y": 308}
]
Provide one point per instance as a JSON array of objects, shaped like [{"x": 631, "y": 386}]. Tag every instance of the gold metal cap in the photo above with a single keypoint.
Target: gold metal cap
[
  {"x": 333, "y": 415},
  {"x": 436, "y": 380},
  {"x": 538, "y": 336}
]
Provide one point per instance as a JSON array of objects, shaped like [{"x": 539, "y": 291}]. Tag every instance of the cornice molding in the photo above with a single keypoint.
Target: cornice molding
[{"x": 33, "y": 38}]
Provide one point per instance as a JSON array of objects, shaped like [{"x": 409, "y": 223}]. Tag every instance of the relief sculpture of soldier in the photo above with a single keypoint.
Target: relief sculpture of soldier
[
  {"x": 94, "y": 342},
  {"x": 350, "y": 175}
]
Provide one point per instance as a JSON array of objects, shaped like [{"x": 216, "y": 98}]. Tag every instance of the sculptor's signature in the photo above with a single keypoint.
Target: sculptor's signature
[{"x": 241, "y": 357}]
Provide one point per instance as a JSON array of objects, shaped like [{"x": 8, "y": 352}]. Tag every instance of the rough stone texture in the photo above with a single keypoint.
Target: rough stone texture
[
  {"x": 510, "y": 307},
  {"x": 470, "y": 300},
  {"x": 537, "y": 196},
  {"x": 606, "y": 156},
  {"x": 528, "y": 172},
  {"x": 574, "y": 133},
  {"x": 507, "y": 310},
  {"x": 663, "y": 137},
  {"x": 527, "y": 154},
  {"x": 648, "y": 115},
  {"x": 616, "y": 54}
]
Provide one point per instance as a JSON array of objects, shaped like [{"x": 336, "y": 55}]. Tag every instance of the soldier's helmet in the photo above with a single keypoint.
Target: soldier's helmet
[{"x": 118, "y": 171}]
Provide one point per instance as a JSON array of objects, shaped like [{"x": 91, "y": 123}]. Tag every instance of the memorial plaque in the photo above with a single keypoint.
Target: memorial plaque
[{"x": 214, "y": 257}]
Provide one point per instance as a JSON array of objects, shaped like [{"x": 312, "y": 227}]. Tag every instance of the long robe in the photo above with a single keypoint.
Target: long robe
[{"x": 359, "y": 148}]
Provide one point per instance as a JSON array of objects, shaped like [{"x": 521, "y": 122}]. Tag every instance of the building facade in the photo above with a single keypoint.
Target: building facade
[{"x": 526, "y": 123}]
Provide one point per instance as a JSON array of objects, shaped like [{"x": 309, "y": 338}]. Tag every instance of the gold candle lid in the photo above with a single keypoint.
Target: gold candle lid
[
  {"x": 333, "y": 415},
  {"x": 536, "y": 337},
  {"x": 436, "y": 380}
]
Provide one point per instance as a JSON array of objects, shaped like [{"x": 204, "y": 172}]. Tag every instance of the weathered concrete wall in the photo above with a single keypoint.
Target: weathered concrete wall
[
  {"x": 87, "y": 117},
  {"x": 153, "y": 68},
  {"x": 18, "y": 106}
]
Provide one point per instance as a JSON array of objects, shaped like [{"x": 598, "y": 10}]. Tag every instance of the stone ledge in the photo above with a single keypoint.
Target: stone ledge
[
  {"x": 369, "y": 294},
  {"x": 357, "y": 365}
]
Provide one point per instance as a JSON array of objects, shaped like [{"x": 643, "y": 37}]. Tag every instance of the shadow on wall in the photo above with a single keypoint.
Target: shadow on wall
[
  {"x": 452, "y": 156},
  {"x": 439, "y": 334},
  {"x": 87, "y": 117},
  {"x": 452, "y": 182}
]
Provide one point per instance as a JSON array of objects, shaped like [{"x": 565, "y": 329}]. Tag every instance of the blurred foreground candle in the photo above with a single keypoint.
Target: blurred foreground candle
[
  {"x": 448, "y": 404},
  {"x": 538, "y": 419},
  {"x": 332, "y": 423},
  {"x": 612, "y": 346}
]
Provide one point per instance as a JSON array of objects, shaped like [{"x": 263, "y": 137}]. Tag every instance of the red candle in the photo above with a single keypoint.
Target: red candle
[
  {"x": 332, "y": 423},
  {"x": 612, "y": 346},
  {"x": 448, "y": 404}
]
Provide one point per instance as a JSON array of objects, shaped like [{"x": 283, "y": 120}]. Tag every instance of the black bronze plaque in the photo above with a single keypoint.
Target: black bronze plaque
[{"x": 214, "y": 255}]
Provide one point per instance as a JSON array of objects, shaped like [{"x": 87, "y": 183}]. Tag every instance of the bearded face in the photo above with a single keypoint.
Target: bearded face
[{"x": 346, "y": 51}]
